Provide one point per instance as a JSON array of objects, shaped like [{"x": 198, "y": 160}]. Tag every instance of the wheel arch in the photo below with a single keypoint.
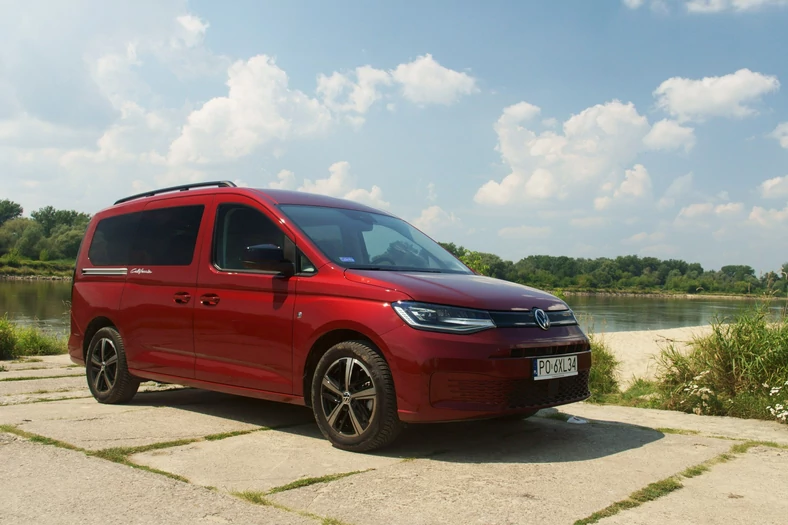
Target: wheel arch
[{"x": 94, "y": 326}]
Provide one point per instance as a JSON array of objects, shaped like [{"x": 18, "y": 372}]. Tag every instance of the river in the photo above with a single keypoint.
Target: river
[{"x": 45, "y": 303}]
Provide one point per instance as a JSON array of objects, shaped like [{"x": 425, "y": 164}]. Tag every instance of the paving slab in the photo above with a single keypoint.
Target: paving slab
[
  {"x": 746, "y": 429},
  {"x": 41, "y": 372},
  {"x": 80, "y": 489},
  {"x": 46, "y": 361},
  {"x": 261, "y": 460},
  {"x": 535, "y": 471},
  {"x": 750, "y": 489},
  {"x": 8, "y": 388},
  {"x": 152, "y": 417},
  {"x": 42, "y": 394}
]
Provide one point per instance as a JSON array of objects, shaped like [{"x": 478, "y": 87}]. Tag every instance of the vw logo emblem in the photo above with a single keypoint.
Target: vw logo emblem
[{"x": 541, "y": 318}]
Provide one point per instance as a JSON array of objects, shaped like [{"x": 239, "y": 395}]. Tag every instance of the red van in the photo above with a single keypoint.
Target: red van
[{"x": 315, "y": 301}]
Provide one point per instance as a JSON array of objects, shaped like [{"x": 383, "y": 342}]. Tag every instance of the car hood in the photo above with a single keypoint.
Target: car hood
[{"x": 466, "y": 290}]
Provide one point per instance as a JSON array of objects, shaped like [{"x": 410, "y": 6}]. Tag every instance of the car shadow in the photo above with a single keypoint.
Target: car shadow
[{"x": 544, "y": 438}]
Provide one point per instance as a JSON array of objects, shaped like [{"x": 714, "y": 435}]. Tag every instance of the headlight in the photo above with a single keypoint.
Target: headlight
[{"x": 443, "y": 318}]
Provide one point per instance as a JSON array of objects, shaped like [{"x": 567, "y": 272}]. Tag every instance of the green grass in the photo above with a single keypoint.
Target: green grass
[
  {"x": 225, "y": 435},
  {"x": 740, "y": 369},
  {"x": 3, "y": 369},
  {"x": 33, "y": 378},
  {"x": 17, "y": 267},
  {"x": 558, "y": 416},
  {"x": 680, "y": 431},
  {"x": 22, "y": 341},
  {"x": 36, "y": 438},
  {"x": 602, "y": 380},
  {"x": 641, "y": 394},
  {"x": 259, "y": 498},
  {"x": 305, "y": 482}
]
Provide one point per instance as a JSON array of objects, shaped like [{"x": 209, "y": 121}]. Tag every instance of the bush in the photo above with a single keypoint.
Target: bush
[
  {"x": 19, "y": 341},
  {"x": 740, "y": 369},
  {"x": 603, "y": 378}
]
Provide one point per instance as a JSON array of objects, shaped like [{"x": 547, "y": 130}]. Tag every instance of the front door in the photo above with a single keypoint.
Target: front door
[
  {"x": 243, "y": 323},
  {"x": 157, "y": 306}
]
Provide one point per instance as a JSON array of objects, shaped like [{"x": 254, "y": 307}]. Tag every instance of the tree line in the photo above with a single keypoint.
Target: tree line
[
  {"x": 52, "y": 234},
  {"x": 49, "y": 234},
  {"x": 624, "y": 273}
]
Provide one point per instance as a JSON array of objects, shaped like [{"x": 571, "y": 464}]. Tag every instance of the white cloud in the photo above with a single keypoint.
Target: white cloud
[
  {"x": 340, "y": 183},
  {"x": 637, "y": 183},
  {"x": 602, "y": 203},
  {"x": 730, "y": 208},
  {"x": 678, "y": 188},
  {"x": 642, "y": 237},
  {"x": 434, "y": 219},
  {"x": 589, "y": 222},
  {"x": 669, "y": 134},
  {"x": 768, "y": 218},
  {"x": 524, "y": 232},
  {"x": 425, "y": 81},
  {"x": 432, "y": 196},
  {"x": 285, "y": 181},
  {"x": 774, "y": 188},
  {"x": 340, "y": 93},
  {"x": 633, "y": 4},
  {"x": 597, "y": 141},
  {"x": 550, "y": 122},
  {"x": 193, "y": 30},
  {"x": 781, "y": 134},
  {"x": 696, "y": 210},
  {"x": 716, "y": 6},
  {"x": 726, "y": 96},
  {"x": 259, "y": 108}
]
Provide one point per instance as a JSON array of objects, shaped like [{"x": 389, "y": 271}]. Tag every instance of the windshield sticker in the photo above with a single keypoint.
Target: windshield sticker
[{"x": 347, "y": 259}]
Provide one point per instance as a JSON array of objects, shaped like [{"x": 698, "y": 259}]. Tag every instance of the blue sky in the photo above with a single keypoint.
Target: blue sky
[{"x": 650, "y": 127}]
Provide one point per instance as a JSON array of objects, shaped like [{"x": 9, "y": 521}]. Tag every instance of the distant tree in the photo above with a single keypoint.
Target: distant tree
[
  {"x": 9, "y": 210},
  {"x": 49, "y": 217}
]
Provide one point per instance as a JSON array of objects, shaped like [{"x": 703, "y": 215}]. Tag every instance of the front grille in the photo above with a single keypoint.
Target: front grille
[
  {"x": 521, "y": 393},
  {"x": 540, "y": 351},
  {"x": 523, "y": 319}
]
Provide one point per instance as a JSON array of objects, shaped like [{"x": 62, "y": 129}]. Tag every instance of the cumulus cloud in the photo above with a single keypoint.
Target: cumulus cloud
[
  {"x": 340, "y": 183},
  {"x": 434, "y": 219},
  {"x": 730, "y": 95},
  {"x": 717, "y": 6},
  {"x": 770, "y": 218},
  {"x": 679, "y": 187},
  {"x": 781, "y": 134},
  {"x": 598, "y": 140},
  {"x": 774, "y": 188},
  {"x": 589, "y": 222},
  {"x": 259, "y": 108},
  {"x": 633, "y": 4},
  {"x": 285, "y": 180},
  {"x": 669, "y": 134},
  {"x": 637, "y": 183},
  {"x": 643, "y": 237},
  {"x": 342, "y": 92},
  {"x": 425, "y": 81}
]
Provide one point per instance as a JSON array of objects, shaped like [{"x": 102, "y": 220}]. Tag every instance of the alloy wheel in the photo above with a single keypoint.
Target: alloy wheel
[
  {"x": 348, "y": 397},
  {"x": 104, "y": 365}
]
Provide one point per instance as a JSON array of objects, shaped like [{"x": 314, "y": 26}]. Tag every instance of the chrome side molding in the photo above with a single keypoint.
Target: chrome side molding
[{"x": 105, "y": 271}]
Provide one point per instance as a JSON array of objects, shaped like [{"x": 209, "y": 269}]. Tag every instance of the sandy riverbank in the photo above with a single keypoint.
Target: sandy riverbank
[{"x": 636, "y": 350}]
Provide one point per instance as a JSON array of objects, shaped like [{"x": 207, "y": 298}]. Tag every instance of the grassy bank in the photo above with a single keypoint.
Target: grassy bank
[
  {"x": 739, "y": 369},
  {"x": 12, "y": 267},
  {"x": 23, "y": 341}
]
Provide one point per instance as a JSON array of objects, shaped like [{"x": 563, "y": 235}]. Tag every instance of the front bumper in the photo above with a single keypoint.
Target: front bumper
[{"x": 447, "y": 377}]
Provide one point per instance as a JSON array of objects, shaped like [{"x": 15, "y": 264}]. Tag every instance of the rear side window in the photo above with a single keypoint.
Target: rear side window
[
  {"x": 162, "y": 237},
  {"x": 112, "y": 239}
]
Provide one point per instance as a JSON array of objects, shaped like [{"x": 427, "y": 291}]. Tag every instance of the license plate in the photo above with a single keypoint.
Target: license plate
[{"x": 552, "y": 367}]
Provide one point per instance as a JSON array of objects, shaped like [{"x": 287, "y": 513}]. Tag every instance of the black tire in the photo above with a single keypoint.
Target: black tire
[
  {"x": 379, "y": 424},
  {"x": 516, "y": 417},
  {"x": 106, "y": 369}
]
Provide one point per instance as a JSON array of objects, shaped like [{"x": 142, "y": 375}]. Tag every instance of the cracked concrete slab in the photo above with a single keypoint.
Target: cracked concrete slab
[
  {"x": 262, "y": 460},
  {"x": 749, "y": 489},
  {"x": 46, "y": 361},
  {"x": 745, "y": 429},
  {"x": 42, "y": 372},
  {"x": 9, "y": 388},
  {"x": 548, "y": 472},
  {"x": 81, "y": 489},
  {"x": 152, "y": 417}
]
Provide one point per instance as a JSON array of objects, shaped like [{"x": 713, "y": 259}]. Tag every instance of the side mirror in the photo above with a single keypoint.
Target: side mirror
[{"x": 268, "y": 258}]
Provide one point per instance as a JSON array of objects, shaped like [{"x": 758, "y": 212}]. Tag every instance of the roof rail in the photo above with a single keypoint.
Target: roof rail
[{"x": 184, "y": 187}]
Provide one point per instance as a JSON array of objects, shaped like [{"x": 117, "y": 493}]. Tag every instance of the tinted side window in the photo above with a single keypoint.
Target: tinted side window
[
  {"x": 167, "y": 236},
  {"x": 112, "y": 240},
  {"x": 237, "y": 228}
]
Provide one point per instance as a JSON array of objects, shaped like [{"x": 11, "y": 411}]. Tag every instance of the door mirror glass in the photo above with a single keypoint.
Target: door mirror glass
[{"x": 267, "y": 258}]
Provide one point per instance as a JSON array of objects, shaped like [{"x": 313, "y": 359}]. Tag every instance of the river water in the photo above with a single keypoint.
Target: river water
[{"x": 45, "y": 303}]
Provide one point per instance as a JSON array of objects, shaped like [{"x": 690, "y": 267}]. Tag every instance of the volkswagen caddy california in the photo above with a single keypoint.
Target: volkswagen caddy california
[{"x": 315, "y": 301}]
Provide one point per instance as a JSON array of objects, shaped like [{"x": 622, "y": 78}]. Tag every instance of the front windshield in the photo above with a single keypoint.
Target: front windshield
[{"x": 371, "y": 241}]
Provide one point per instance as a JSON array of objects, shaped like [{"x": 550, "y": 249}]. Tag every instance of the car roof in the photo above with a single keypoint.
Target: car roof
[{"x": 273, "y": 197}]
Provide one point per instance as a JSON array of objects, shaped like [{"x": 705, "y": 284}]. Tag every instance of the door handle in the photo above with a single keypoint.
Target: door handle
[
  {"x": 209, "y": 299},
  {"x": 182, "y": 297}
]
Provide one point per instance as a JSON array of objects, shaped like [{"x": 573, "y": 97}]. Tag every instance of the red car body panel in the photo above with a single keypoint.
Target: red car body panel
[{"x": 252, "y": 334}]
